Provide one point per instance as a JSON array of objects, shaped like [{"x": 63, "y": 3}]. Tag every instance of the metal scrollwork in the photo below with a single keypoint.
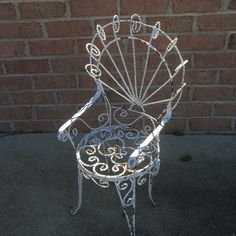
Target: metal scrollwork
[
  {"x": 135, "y": 23},
  {"x": 156, "y": 30},
  {"x": 127, "y": 187},
  {"x": 93, "y": 50},
  {"x": 101, "y": 32},
  {"x": 142, "y": 179},
  {"x": 93, "y": 70},
  {"x": 116, "y": 23},
  {"x": 62, "y": 136},
  {"x": 106, "y": 151}
]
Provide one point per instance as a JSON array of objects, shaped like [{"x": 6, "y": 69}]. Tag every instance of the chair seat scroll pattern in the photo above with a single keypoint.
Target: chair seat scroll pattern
[{"x": 139, "y": 72}]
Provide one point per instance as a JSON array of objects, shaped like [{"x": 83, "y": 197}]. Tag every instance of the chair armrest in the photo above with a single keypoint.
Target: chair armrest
[
  {"x": 134, "y": 159},
  {"x": 62, "y": 132}
]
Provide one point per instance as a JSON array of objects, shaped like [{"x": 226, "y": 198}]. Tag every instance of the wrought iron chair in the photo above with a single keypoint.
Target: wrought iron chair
[{"x": 140, "y": 69}]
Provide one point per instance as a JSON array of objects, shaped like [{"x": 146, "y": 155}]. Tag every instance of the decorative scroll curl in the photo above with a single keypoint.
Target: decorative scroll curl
[
  {"x": 125, "y": 190},
  {"x": 62, "y": 136},
  {"x": 116, "y": 23},
  {"x": 93, "y": 50},
  {"x": 101, "y": 32},
  {"x": 156, "y": 30},
  {"x": 135, "y": 23},
  {"x": 93, "y": 70}
]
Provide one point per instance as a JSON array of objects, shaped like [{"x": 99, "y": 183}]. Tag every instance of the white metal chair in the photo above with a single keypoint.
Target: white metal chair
[{"x": 146, "y": 78}]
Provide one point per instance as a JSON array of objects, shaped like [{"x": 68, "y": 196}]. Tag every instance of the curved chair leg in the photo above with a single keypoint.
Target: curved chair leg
[
  {"x": 126, "y": 192},
  {"x": 150, "y": 183},
  {"x": 80, "y": 185}
]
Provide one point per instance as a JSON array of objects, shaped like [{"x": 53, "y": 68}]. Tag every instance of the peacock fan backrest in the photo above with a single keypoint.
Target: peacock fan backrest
[{"x": 138, "y": 66}]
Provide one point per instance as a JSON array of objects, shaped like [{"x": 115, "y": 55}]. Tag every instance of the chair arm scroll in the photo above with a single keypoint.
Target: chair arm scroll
[
  {"x": 64, "y": 132},
  {"x": 134, "y": 158}
]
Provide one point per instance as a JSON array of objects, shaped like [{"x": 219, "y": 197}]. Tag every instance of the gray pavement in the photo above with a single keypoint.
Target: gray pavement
[{"x": 195, "y": 197}]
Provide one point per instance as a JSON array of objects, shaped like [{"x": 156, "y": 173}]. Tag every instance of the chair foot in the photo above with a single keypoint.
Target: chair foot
[
  {"x": 79, "y": 202},
  {"x": 130, "y": 217},
  {"x": 74, "y": 211},
  {"x": 154, "y": 203}
]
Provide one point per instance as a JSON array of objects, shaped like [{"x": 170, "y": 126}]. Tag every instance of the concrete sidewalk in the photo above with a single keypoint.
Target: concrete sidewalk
[{"x": 196, "y": 197}]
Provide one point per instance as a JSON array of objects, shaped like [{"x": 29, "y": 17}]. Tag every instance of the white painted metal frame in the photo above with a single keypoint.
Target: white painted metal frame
[{"x": 116, "y": 152}]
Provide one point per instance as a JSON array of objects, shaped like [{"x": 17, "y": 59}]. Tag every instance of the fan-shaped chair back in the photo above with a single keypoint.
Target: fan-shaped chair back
[{"x": 136, "y": 64}]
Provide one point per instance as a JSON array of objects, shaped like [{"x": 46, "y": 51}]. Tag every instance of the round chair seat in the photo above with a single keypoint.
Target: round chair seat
[{"x": 103, "y": 154}]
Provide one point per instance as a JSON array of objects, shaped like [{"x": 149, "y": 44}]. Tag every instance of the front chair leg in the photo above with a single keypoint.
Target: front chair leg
[
  {"x": 80, "y": 185},
  {"x": 126, "y": 192}
]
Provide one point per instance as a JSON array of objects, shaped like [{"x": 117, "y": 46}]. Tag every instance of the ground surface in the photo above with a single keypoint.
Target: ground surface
[{"x": 196, "y": 197}]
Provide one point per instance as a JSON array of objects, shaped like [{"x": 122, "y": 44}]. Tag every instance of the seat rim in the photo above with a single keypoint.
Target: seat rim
[{"x": 149, "y": 168}]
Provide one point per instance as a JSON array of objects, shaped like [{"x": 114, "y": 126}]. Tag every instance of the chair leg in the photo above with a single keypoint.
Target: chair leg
[
  {"x": 80, "y": 186},
  {"x": 150, "y": 183},
  {"x": 126, "y": 192}
]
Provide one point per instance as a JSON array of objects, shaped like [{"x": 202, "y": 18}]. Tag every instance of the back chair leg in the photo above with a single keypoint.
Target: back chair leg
[
  {"x": 150, "y": 183},
  {"x": 126, "y": 191},
  {"x": 80, "y": 189}
]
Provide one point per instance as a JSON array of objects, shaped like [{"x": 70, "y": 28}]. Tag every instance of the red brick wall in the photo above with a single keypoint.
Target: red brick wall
[{"x": 43, "y": 57}]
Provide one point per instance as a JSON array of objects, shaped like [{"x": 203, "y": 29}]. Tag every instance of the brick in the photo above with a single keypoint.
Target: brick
[
  {"x": 7, "y": 11},
  {"x": 94, "y": 111},
  {"x": 207, "y": 125},
  {"x": 216, "y": 22},
  {"x": 173, "y": 23},
  {"x": 33, "y": 98},
  {"x": 216, "y": 60},
  {"x": 106, "y": 61},
  {"x": 4, "y": 127},
  {"x": 11, "y": 49},
  {"x": 200, "y": 77},
  {"x": 54, "y": 81},
  {"x": 200, "y": 42},
  {"x": 72, "y": 64},
  {"x": 51, "y": 113},
  {"x": 232, "y": 5},
  {"x": 15, "y": 83},
  {"x": 69, "y": 28},
  {"x": 20, "y": 30},
  {"x": 175, "y": 125},
  {"x": 144, "y": 7},
  {"x": 85, "y": 81},
  {"x": 82, "y": 45},
  {"x": 27, "y": 66},
  {"x": 181, "y": 6},
  {"x": 35, "y": 126},
  {"x": 4, "y": 99},
  {"x": 51, "y": 47},
  {"x": 225, "y": 109},
  {"x": 114, "y": 97},
  {"x": 1, "y": 67},
  {"x": 93, "y": 8},
  {"x": 232, "y": 41},
  {"x": 74, "y": 97},
  {"x": 15, "y": 113},
  {"x": 193, "y": 109},
  {"x": 42, "y": 10},
  {"x": 214, "y": 94},
  {"x": 228, "y": 77}
]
